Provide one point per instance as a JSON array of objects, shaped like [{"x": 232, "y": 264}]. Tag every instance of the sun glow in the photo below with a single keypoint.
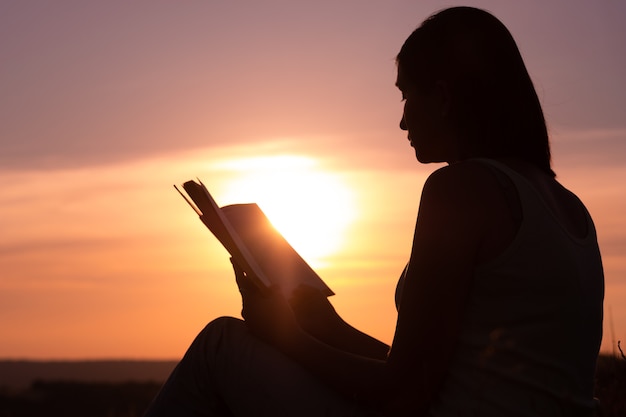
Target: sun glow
[{"x": 310, "y": 206}]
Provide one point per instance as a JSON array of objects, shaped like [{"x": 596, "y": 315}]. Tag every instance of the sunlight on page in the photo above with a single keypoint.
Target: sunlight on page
[{"x": 310, "y": 206}]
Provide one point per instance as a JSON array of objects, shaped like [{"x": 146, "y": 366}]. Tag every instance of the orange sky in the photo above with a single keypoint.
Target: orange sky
[{"x": 105, "y": 106}]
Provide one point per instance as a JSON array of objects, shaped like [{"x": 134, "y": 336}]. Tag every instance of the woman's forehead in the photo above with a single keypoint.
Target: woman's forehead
[
  {"x": 400, "y": 77},
  {"x": 402, "y": 81}
]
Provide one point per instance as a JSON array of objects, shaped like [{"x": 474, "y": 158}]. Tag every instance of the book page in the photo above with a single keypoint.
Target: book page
[
  {"x": 213, "y": 218},
  {"x": 276, "y": 257},
  {"x": 248, "y": 235}
]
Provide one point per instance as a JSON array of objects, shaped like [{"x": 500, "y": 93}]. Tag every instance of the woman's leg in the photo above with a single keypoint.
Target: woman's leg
[{"x": 227, "y": 371}]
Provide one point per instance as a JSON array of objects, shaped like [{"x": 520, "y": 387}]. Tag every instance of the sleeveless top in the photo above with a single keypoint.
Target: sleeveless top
[{"x": 533, "y": 323}]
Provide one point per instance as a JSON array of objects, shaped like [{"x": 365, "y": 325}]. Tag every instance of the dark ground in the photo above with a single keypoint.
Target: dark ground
[
  {"x": 79, "y": 399},
  {"x": 79, "y": 388},
  {"x": 611, "y": 385},
  {"x": 129, "y": 399}
]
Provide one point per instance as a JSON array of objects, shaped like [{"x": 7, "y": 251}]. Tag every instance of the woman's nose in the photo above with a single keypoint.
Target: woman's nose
[{"x": 403, "y": 124}]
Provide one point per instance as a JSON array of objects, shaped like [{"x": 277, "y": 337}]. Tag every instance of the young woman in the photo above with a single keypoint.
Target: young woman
[{"x": 500, "y": 305}]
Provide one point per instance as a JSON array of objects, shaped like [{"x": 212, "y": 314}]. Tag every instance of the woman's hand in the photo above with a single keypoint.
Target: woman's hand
[
  {"x": 266, "y": 313},
  {"x": 270, "y": 318},
  {"x": 314, "y": 313},
  {"x": 244, "y": 283}
]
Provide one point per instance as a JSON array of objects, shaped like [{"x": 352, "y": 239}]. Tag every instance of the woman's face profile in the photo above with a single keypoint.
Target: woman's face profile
[{"x": 423, "y": 120}]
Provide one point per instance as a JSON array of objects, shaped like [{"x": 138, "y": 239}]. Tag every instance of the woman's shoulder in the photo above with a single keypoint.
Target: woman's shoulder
[
  {"x": 470, "y": 190},
  {"x": 480, "y": 185},
  {"x": 470, "y": 179}
]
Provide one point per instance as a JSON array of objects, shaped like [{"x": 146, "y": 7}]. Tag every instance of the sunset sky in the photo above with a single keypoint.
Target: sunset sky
[{"x": 290, "y": 104}]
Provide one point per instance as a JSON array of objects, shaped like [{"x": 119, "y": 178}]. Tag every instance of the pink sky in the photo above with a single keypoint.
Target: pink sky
[{"x": 104, "y": 106}]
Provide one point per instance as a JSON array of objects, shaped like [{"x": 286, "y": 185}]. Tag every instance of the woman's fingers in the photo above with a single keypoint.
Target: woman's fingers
[{"x": 246, "y": 286}]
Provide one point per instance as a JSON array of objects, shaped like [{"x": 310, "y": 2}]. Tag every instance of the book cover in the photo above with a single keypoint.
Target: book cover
[{"x": 248, "y": 235}]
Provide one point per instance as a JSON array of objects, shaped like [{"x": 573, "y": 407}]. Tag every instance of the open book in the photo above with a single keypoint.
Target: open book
[{"x": 255, "y": 245}]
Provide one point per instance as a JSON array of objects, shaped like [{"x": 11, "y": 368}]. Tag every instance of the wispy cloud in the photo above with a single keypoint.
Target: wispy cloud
[{"x": 589, "y": 148}]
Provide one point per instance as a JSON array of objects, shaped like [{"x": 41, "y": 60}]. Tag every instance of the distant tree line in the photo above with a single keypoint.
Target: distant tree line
[
  {"x": 130, "y": 399},
  {"x": 78, "y": 399}
]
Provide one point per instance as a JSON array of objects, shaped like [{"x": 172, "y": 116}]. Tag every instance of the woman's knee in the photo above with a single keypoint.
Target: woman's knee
[
  {"x": 221, "y": 324},
  {"x": 219, "y": 331}
]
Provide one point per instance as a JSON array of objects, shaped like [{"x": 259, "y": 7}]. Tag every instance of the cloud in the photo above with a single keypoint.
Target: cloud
[
  {"x": 53, "y": 245},
  {"x": 586, "y": 148}
]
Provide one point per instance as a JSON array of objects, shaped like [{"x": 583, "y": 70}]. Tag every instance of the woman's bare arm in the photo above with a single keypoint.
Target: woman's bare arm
[
  {"x": 456, "y": 208},
  {"x": 316, "y": 316},
  {"x": 461, "y": 207}
]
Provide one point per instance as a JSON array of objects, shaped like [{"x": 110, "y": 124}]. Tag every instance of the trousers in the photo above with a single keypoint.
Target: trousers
[{"x": 228, "y": 372}]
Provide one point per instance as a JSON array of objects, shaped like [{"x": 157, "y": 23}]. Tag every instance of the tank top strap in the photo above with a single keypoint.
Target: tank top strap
[
  {"x": 511, "y": 182},
  {"x": 526, "y": 199}
]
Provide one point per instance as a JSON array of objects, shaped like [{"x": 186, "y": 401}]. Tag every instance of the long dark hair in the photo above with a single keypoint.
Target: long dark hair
[{"x": 494, "y": 105}]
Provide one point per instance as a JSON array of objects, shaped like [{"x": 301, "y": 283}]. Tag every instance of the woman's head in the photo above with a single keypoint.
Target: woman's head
[{"x": 468, "y": 57}]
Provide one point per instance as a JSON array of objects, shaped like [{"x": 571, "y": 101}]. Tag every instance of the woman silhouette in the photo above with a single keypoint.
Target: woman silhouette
[{"x": 500, "y": 305}]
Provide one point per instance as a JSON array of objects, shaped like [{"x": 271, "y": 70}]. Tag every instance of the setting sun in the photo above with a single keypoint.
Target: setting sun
[{"x": 310, "y": 206}]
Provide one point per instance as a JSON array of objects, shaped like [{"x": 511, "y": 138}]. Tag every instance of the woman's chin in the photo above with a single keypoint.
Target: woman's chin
[
  {"x": 428, "y": 159},
  {"x": 423, "y": 158}
]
